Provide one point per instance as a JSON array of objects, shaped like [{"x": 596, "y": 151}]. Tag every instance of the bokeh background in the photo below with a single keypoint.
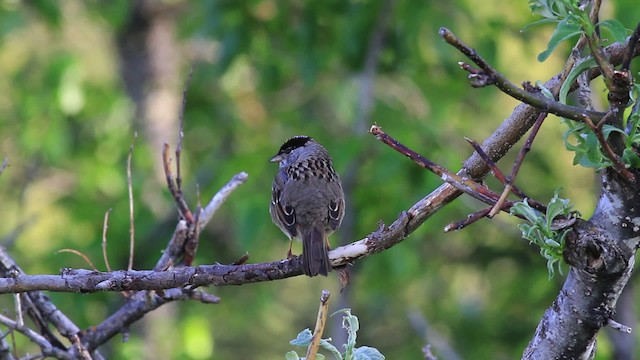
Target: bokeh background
[{"x": 83, "y": 80}]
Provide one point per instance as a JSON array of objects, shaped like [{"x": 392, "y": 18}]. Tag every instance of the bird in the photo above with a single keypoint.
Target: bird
[{"x": 307, "y": 200}]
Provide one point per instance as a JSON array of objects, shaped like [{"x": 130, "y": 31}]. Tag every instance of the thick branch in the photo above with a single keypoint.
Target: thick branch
[{"x": 602, "y": 255}]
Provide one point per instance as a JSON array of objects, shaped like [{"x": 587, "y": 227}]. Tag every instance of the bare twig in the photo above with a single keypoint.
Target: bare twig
[
  {"x": 470, "y": 219},
  {"x": 192, "y": 241},
  {"x": 605, "y": 66},
  {"x": 181, "y": 129},
  {"x": 174, "y": 248},
  {"x": 428, "y": 355},
  {"x": 219, "y": 198},
  {"x": 495, "y": 170},
  {"x": 175, "y": 191},
  {"x": 524, "y": 150},
  {"x": 462, "y": 183},
  {"x": 500, "y": 203},
  {"x": 5, "y": 163},
  {"x": 489, "y": 76},
  {"x": 321, "y": 320},
  {"x": 499, "y": 175},
  {"x": 510, "y": 184},
  {"x": 5, "y": 347},
  {"x": 45, "y": 346},
  {"x": 620, "y": 327},
  {"x": 634, "y": 40},
  {"x": 105, "y": 225},
  {"x": 82, "y": 255},
  {"x": 618, "y": 165},
  {"x": 18, "y": 305},
  {"x": 131, "y": 215}
]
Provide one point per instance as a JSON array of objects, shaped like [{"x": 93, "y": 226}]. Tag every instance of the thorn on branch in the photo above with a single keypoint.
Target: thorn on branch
[
  {"x": 477, "y": 78},
  {"x": 243, "y": 259}
]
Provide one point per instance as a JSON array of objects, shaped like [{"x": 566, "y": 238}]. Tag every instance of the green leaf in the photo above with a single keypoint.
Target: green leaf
[
  {"x": 616, "y": 29},
  {"x": 329, "y": 346},
  {"x": 522, "y": 208},
  {"x": 551, "y": 242},
  {"x": 557, "y": 206},
  {"x": 608, "y": 129},
  {"x": 565, "y": 30},
  {"x": 629, "y": 157},
  {"x": 536, "y": 23},
  {"x": 292, "y": 355},
  {"x": 546, "y": 92},
  {"x": 573, "y": 75},
  {"x": 367, "y": 353},
  {"x": 303, "y": 339}
]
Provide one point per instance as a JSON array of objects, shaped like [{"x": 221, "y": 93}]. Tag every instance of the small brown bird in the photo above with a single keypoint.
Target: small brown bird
[{"x": 307, "y": 202}]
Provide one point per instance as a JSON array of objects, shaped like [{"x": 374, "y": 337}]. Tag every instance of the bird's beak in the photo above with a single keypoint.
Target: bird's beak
[{"x": 276, "y": 158}]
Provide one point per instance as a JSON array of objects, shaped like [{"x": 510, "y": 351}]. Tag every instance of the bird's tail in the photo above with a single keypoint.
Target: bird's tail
[{"x": 315, "y": 253}]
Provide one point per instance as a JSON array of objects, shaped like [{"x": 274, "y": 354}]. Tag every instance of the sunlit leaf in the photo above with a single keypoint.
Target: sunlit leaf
[
  {"x": 367, "y": 353},
  {"x": 615, "y": 28},
  {"x": 565, "y": 30}
]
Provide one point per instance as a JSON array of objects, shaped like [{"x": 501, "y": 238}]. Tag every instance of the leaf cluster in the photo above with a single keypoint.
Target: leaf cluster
[
  {"x": 573, "y": 20},
  {"x": 541, "y": 231},
  {"x": 351, "y": 324}
]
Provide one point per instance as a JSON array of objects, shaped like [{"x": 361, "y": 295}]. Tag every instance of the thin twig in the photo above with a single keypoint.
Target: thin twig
[
  {"x": 321, "y": 320},
  {"x": 5, "y": 163},
  {"x": 499, "y": 175},
  {"x": 470, "y": 219},
  {"x": 461, "y": 183},
  {"x": 634, "y": 40},
  {"x": 181, "y": 129},
  {"x": 18, "y": 304},
  {"x": 83, "y": 256},
  {"x": 219, "y": 198},
  {"x": 500, "y": 203},
  {"x": 428, "y": 355},
  {"x": 131, "y": 215},
  {"x": 489, "y": 76},
  {"x": 495, "y": 170},
  {"x": 618, "y": 165},
  {"x": 193, "y": 236},
  {"x": 524, "y": 150},
  {"x": 176, "y": 193},
  {"x": 605, "y": 66},
  {"x": 620, "y": 327},
  {"x": 45, "y": 346},
  {"x": 526, "y": 147},
  {"x": 105, "y": 225}
]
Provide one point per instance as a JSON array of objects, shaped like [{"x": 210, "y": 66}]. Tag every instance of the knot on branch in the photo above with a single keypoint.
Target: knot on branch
[
  {"x": 619, "y": 85},
  {"x": 588, "y": 249}
]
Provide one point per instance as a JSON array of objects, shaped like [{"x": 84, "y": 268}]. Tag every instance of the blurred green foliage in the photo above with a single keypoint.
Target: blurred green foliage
[{"x": 264, "y": 71}]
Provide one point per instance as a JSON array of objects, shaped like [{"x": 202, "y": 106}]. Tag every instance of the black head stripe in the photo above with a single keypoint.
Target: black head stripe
[{"x": 294, "y": 143}]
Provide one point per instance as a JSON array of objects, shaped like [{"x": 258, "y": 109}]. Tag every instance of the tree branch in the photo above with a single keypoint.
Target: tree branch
[{"x": 489, "y": 76}]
